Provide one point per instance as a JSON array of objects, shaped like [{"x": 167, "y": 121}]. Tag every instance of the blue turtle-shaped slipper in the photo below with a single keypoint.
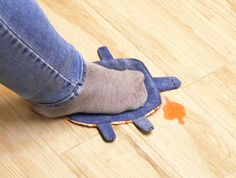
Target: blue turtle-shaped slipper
[{"x": 154, "y": 86}]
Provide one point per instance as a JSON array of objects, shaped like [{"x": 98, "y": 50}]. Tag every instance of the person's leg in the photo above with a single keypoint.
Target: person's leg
[
  {"x": 35, "y": 61},
  {"x": 38, "y": 64}
]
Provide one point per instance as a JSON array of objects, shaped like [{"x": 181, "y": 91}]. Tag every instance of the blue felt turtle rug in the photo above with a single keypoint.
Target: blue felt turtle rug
[{"x": 154, "y": 86}]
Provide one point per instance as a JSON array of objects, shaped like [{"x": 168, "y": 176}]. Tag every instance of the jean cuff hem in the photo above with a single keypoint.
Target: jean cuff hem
[{"x": 77, "y": 90}]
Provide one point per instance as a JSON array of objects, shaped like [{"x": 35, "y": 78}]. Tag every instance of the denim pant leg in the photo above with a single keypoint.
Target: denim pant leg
[{"x": 35, "y": 61}]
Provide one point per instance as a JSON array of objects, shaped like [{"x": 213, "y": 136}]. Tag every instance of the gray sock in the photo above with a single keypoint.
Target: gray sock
[{"x": 105, "y": 91}]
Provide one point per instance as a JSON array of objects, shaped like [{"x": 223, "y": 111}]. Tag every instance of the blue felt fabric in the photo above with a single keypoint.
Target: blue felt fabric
[{"x": 153, "y": 85}]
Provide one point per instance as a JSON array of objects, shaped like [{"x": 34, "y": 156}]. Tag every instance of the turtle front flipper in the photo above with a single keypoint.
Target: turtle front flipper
[
  {"x": 167, "y": 83},
  {"x": 104, "y": 53}
]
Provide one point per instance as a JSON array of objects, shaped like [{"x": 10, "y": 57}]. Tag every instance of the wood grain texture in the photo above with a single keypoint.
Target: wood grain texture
[{"x": 192, "y": 39}]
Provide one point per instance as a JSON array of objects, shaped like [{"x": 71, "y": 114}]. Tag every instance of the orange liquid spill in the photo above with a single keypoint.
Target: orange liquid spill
[{"x": 173, "y": 111}]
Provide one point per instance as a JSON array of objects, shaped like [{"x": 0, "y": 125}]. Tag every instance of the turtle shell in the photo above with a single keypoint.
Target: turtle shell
[{"x": 138, "y": 117}]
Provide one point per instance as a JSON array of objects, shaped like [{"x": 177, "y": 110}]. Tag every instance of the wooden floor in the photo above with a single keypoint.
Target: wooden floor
[{"x": 194, "y": 40}]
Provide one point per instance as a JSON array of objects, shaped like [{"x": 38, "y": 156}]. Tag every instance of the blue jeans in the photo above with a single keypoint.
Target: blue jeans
[{"x": 35, "y": 61}]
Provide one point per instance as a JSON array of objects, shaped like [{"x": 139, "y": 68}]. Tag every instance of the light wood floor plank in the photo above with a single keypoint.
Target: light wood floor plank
[
  {"x": 23, "y": 148},
  {"x": 123, "y": 158},
  {"x": 207, "y": 24},
  {"x": 225, "y": 79},
  {"x": 214, "y": 100}
]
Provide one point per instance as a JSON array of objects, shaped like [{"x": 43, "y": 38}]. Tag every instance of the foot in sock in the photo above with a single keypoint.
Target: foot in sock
[{"x": 105, "y": 91}]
